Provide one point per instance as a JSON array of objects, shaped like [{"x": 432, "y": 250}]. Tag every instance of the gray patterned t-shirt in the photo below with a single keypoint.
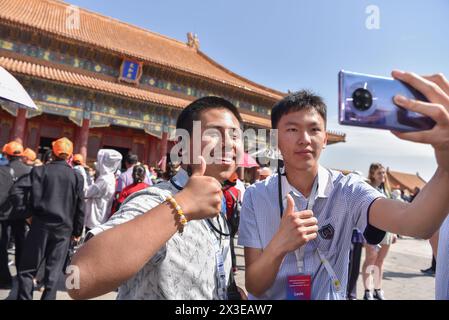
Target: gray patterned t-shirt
[{"x": 185, "y": 267}]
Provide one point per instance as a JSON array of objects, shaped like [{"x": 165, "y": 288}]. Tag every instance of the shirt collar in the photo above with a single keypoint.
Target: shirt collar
[
  {"x": 180, "y": 178},
  {"x": 325, "y": 184}
]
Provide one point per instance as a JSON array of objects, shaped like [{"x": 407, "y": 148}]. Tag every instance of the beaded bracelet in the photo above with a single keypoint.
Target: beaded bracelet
[{"x": 179, "y": 211}]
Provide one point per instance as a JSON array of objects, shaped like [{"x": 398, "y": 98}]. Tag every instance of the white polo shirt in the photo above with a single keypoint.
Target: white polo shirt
[
  {"x": 442, "y": 272},
  {"x": 341, "y": 204},
  {"x": 185, "y": 267}
]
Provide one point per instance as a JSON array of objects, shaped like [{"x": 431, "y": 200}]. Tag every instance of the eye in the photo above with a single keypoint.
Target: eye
[
  {"x": 236, "y": 137},
  {"x": 316, "y": 129},
  {"x": 212, "y": 133},
  {"x": 292, "y": 130},
  {"x": 232, "y": 134},
  {"x": 235, "y": 134}
]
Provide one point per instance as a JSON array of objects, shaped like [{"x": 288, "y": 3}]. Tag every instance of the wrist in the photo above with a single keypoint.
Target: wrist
[
  {"x": 184, "y": 203},
  {"x": 274, "y": 249}
]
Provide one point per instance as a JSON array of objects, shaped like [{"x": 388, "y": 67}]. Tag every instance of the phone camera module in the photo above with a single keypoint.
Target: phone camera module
[{"x": 362, "y": 99}]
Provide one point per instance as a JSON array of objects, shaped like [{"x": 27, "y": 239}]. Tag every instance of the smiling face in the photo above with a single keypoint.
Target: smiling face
[
  {"x": 221, "y": 142},
  {"x": 302, "y": 135},
  {"x": 379, "y": 176}
]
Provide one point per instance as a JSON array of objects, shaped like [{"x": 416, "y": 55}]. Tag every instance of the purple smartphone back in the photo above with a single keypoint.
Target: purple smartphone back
[{"x": 377, "y": 110}]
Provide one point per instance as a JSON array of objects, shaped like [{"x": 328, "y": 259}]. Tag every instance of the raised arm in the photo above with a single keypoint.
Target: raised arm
[
  {"x": 115, "y": 255},
  {"x": 424, "y": 215},
  {"x": 262, "y": 266}
]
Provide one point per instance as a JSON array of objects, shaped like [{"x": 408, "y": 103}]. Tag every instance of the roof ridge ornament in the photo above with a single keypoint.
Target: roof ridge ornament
[{"x": 193, "y": 41}]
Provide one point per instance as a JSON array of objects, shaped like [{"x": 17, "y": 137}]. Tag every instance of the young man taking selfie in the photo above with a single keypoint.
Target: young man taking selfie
[{"x": 296, "y": 226}]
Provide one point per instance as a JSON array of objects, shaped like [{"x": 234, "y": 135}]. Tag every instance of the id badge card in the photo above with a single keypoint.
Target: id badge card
[
  {"x": 221, "y": 275},
  {"x": 299, "y": 287}
]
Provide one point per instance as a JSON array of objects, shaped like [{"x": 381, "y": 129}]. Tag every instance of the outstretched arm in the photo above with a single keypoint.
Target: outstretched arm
[
  {"x": 115, "y": 255},
  {"x": 428, "y": 210}
]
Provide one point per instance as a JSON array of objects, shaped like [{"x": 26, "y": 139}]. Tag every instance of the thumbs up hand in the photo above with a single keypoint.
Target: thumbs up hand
[
  {"x": 202, "y": 196},
  {"x": 296, "y": 229},
  {"x": 198, "y": 170}
]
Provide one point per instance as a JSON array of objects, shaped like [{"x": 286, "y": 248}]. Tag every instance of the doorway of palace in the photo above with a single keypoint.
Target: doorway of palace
[{"x": 44, "y": 147}]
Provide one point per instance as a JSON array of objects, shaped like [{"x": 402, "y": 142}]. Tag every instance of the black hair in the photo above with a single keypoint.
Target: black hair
[
  {"x": 48, "y": 156},
  {"x": 297, "y": 101},
  {"x": 159, "y": 173},
  {"x": 131, "y": 159},
  {"x": 62, "y": 156},
  {"x": 193, "y": 111},
  {"x": 12, "y": 158},
  {"x": 139, "y": 173}
]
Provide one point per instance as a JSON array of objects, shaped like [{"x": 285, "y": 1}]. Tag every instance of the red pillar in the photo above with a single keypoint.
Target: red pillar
[
  {"x": 163, "y": 150},
  {"x": 81, "y": 139},
  {"x": 152, "y": 151},
  {"x": 18, "y": 132}
]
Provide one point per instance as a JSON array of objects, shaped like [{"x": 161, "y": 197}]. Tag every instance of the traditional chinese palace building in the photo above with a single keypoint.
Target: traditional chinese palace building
[
  {"x": 105, "y": 83},
  {"x": 405, "y": 181}
]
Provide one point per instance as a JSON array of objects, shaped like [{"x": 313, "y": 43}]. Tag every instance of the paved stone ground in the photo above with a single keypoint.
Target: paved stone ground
[{"x": 402, "y": 277}]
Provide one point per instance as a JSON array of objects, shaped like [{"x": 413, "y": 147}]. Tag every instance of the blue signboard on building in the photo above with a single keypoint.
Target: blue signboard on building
[{"x": 130, "y": 71}]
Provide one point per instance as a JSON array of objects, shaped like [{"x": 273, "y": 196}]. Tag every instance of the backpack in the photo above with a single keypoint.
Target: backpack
[
  {"x": 16, "y": 205},
  {"x": 234, "y": 219}
]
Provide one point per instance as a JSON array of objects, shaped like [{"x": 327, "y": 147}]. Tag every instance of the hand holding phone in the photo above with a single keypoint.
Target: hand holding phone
[
  {"x": 436, "y": 90},
  {"x": 426, "y": 99},
  {"x": 368, "y": 101}
]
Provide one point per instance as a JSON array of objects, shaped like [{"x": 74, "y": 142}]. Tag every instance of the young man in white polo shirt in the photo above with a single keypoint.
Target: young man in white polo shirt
[
  {"x": 140, "y": 249},
  {"x": 296, "y": 226}
]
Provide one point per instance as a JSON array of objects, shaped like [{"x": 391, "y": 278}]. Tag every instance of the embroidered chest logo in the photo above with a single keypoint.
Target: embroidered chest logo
[{"x": 327, "y": 232}]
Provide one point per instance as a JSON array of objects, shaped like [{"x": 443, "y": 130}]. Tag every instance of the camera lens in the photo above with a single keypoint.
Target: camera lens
[{"x": 362, "y": 99}]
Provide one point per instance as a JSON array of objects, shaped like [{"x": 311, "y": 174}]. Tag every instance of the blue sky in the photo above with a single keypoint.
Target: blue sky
[{"x": 290, "y": 45}]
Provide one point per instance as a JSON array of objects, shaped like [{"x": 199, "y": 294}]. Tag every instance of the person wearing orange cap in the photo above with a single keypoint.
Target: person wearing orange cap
[
  {"x": 78, "y": 159},
  {"x": 13, "y": 149},
  {"x": 10, "y": 173},
  {"x": 58, "y": 218},
  {"x": 62, "y": 148},
  {"x": 79, "y": 165},
  {"x": 29, "y": 156}
]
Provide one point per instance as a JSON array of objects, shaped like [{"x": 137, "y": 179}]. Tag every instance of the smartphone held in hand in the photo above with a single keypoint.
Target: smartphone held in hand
[{"x": 367, "y": 101}]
